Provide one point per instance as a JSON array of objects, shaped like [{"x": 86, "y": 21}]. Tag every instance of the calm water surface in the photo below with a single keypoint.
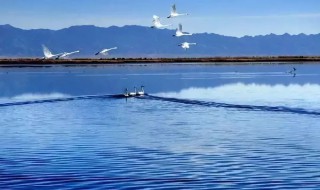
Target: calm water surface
[{"x": 202, "y": 127}]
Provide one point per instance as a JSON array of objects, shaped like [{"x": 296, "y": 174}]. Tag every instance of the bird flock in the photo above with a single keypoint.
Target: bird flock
[
  {"x": 48, "y": 55},
  {"x": 179, "y": 32},
  {"x": 156, "y": 24}
]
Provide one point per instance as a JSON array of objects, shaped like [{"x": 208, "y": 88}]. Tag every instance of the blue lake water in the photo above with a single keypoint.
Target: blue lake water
[{"x": 202, "y": 127}]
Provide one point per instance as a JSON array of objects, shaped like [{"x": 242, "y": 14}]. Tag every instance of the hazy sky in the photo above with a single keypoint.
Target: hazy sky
[{"x": 226, "y": 17}]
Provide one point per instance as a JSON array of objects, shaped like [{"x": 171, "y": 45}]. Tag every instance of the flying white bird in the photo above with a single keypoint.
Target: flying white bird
[
  {"x": 105, "y": 51},
  {"x": 186, "y": 45},
  {"x": 179, "y": 32},
  {"x": 174, "y": 12},
  {"x": 157, "y": 24},
  {"x": 66, "y": 54},
  {"x": 47, "y": 53}
]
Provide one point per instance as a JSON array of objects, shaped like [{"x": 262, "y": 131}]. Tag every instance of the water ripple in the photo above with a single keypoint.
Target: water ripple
[{"x": 245, "y": 107}]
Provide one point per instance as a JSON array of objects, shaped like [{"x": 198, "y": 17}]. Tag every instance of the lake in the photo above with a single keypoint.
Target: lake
[{"x": 200, "y": 127}]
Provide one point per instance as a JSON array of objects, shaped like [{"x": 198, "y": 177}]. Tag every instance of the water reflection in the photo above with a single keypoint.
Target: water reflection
[
  {"x": 77, "y": 81},
  {"x": 294, "y": 95}
]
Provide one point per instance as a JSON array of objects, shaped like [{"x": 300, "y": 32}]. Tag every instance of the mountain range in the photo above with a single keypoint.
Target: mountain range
[{"x": 140, "y": 41}]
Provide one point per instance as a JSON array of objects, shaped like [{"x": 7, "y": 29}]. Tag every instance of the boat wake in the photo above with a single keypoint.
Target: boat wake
[
  {"x": 282, "y": 109},
  {"x": 55, "y": 100}
]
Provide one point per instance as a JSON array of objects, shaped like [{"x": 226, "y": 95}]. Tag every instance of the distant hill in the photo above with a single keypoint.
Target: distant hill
[{"x": 138, "y": 41}]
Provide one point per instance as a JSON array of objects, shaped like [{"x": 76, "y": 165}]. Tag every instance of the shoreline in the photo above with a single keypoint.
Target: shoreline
[{"x": 21, "y": 62}]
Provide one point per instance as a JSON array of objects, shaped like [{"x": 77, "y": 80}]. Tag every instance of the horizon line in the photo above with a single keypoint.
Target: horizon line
[{"x": 67, "y": 27}]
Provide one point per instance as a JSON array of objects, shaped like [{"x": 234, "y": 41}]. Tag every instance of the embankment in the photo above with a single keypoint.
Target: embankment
[{"x": 204, "y": 60}]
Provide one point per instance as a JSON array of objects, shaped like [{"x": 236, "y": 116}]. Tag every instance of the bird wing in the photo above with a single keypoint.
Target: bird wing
[
  {"x": 70, "y": 53},
  {"x": 63, "y": 55},
  {"x": 58, "y": 55},
  {"x": 46, "y": 51},
  {"x": 74, "y": 52},
  {"x": 113, "y": 48},
  {"x": 104, "y": 53}
]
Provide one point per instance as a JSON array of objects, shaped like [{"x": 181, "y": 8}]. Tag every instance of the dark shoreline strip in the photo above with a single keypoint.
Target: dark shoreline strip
[{"x": 207, "y": 60}]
